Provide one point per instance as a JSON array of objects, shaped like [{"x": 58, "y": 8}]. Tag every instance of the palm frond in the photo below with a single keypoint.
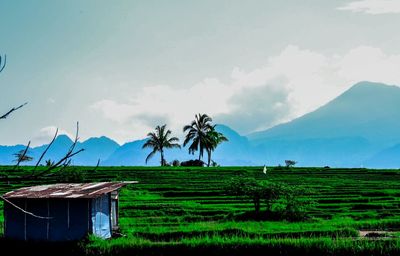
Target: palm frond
[{"x": 150, "y": 155}]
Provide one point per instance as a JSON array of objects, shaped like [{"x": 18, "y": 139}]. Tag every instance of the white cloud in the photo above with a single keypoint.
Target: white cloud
[
  {"x": 290, "y": 84},
  {"x": 373, "y": 6},
  {"x": 46, "y": 134}
]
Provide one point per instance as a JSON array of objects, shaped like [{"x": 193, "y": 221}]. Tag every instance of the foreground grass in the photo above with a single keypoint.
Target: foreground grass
[
  {"x": 244, "y": 246},
  {"x": 181, "y": 211}
]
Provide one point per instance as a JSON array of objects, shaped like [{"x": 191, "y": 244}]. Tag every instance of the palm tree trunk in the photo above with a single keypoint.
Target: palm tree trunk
[
  {"x": 162, "y": 157},
  {"x": 209, "y": 158}
]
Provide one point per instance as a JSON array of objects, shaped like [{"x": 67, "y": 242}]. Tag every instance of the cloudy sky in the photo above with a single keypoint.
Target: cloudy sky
[{"x": 122, "y": 67}]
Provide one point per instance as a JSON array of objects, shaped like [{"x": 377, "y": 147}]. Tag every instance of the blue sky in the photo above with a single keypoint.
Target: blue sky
[{"x": 122, "y": 67}]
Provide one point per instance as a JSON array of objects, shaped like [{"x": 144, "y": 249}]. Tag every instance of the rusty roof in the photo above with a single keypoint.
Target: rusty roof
[{"x": 67, "y": 190}]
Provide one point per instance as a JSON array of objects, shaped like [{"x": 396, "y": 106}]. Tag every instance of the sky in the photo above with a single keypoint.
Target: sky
[{"x": 122, "y": 67}]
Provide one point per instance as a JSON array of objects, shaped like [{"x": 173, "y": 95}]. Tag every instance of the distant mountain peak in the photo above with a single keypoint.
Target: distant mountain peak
[
  {"x": 368, "y": 88},
  {"x": 64, "y": 138},
  {"x": 101, "y": 139}
]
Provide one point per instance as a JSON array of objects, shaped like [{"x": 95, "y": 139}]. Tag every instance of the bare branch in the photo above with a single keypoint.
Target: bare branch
[
  {"x": 24, "y": 211},
  {"x": 12, "y": 110},
  {"x": 66, "y": 160},
  {"x": 97, "y": 165},
  {"x": 62, "y": 162},
  {"x": 45, "y": 151},
  {"x": 21, "y": 157},
  {"x": 71, "y": 149},
  {"x": 3, "y": 62}
]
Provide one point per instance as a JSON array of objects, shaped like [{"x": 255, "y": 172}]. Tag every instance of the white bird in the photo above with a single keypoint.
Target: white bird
[{"x": 265, "y": 169}]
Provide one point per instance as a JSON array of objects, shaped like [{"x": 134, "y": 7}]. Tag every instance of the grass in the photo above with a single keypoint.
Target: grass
[{"x": 180, "y": 210}]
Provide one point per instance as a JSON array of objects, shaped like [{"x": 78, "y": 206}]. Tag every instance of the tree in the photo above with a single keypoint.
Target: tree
[
  {"x": 290, "y": 163},
  {"x": 247, "y": 187},
  {"x": 257, "y": 191},
  {"x": 21, "y": 156},
  {"x": 160, "y": 140},
  {"x": 197, "y": 134},
  {"x": 214, "y": 138},
  {"x": 49, "y": 162}
]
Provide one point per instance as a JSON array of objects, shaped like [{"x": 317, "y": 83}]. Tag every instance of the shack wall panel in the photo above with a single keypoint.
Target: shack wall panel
[
  {"x": 78, "y": 219},
  {"x": 69, "y": 220},
  {"x": 14, "y": 218},
  {"x": 101, "y": 216},
  {"x": 36, "y": 228}
]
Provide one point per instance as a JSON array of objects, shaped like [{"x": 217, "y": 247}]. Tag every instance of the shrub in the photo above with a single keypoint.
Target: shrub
[
  {"x": 176, "y": 163},
  {"x": 193, "y": 163},
  {"x": 257, "y": 191},
  {"x": 296, "y": 203},
  {"x": 71, "y": 175}
]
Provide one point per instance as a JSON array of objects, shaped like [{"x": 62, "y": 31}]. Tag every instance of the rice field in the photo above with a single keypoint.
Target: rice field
[{"x": 181, "y": 210}]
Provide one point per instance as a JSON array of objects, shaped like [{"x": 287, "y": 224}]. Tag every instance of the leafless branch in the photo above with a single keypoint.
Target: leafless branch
[
  {"x": 97, "y": 165},
  {"x": 3, "y": 62},
  {"x": 71, "y": 149},
  {"x": 26, "y": 212},
  {"x": 66, "y": 160},
  {"x": 12, "y": 110},
  {"x": 21, "y": 157},
  {"x": 45, "y": 151}
]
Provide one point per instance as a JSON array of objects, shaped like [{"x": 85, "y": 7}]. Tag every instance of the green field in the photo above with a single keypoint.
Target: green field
[{"x": 187, "y": 210}]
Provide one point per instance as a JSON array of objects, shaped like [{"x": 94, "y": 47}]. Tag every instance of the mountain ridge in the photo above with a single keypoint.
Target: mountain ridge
[{"x": 358, "y": 128}]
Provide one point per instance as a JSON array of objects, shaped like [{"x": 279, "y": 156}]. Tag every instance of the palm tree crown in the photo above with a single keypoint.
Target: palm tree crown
[
  {"x": 197, "y": 133},
  {"x": 160, "y": 140}
]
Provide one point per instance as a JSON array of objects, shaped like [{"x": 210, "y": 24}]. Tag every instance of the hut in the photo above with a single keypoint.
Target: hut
[{"x": 62, "y": 212}]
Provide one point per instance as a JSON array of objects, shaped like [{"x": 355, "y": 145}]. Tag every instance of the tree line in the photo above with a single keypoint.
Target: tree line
[{"x": 201, "y": 135}]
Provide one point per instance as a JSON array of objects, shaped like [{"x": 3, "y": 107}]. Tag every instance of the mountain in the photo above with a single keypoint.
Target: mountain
[
  {"x": 233, "y": 152},
  {"x": 388, "y": 158},
  {"x": 95, "y": 148},
  {"x": 129, "y": 154},
  {"x": 351, "y": 128},
  {"x": 361, "y": 127},
  {"x": 6, "y": 154},
  {"x": 57, "y": 150},
  {"x": 236, "y": 151}
]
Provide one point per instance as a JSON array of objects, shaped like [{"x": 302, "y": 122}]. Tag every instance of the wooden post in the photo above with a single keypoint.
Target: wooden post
[
  {"x": 88, "y": 210},
  {"x": 48, "y": 220},
  {"x": 68, "y": 213},
  {"x": 25, "y": 208},
  {"x": 5, "y": 217},
  {"x": 101, "y": 211}
]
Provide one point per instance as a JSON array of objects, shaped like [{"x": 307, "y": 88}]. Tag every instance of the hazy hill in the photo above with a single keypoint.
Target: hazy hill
[
  {"x": 344, "y": 132},
  {"x": 361, "y": 127}
]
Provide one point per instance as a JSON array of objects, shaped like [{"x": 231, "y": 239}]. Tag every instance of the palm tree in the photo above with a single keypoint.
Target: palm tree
[
  {"x": 197, "y": 133},
  {"x": 160, "y": 140},
  {"x": 214, "y": 138},
  {"x": 21, "y": 156}
]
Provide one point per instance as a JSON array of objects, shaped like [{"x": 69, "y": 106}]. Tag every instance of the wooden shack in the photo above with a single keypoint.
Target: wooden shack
[{"x": 62, "y": 212}]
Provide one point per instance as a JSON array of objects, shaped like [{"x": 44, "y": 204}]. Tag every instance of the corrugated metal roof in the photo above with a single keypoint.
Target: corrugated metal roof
[{"x": 67, "y": 190}]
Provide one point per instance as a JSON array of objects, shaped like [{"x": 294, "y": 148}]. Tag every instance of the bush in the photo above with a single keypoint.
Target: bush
[
  {"x": 280, "y": 200},
  {"x": 176, "y": 163},
  {"x": 296, "y": 203},
  {"x": 71, "y": 175},
  {"x": 198, "y": 163},
  {"x": 257, "y": 191}
]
